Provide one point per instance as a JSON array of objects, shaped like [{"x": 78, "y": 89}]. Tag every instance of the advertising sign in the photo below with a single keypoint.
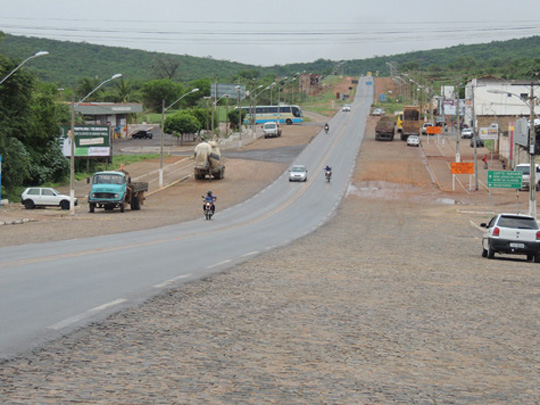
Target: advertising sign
[
  {"x": 90, "y": 141},
  {"x": 489, "y": 133},
  {"x": 504, "y": 179}
]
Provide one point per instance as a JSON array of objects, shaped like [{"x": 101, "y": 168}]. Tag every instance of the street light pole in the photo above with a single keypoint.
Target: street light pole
[
  {"x": 36, "y": 55},
  {"x": 163, "y": 110},
  {"x": 72, "y": 149}
]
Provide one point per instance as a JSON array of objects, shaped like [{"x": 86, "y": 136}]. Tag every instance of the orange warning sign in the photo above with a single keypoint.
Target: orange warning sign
[
  {"x": 462, "y": 168},
  {"x": 433, "y": 130}
]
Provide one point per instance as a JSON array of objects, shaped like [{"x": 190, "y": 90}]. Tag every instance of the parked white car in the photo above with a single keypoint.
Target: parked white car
[
  {"x": 34, "y": 197},
  {"x": 425, "y": 126},
  {"x": 346, "y": 108},
  {"x": 512, "y": 234},
  {"x": 526, "y": 178}
]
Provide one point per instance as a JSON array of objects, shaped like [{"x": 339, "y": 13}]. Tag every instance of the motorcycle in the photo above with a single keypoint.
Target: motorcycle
[
  {"x": 326, "y": 129},
  {"x": 328, "y": 175},
  {"x": 208, "y": 209}
]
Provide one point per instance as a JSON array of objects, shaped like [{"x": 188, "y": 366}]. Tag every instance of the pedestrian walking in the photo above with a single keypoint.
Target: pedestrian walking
[
  {"x": 503, "y": 162},
  {"x": 484, "y": 159}
]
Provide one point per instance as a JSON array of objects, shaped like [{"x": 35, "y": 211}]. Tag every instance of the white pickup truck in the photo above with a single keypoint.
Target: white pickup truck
[{"x": 526, "y": 178}]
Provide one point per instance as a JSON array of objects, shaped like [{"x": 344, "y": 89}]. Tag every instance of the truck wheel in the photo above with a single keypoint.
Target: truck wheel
[
  {"x": 91, "y": 207},
  {"x": 64, "y": 205},
  {"x": 136, "y": 203},
  {"x": 122, "y": 207}
]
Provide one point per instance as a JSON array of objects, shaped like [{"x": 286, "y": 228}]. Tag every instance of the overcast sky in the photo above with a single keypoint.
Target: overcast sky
[{"x": 272, "y": 32}]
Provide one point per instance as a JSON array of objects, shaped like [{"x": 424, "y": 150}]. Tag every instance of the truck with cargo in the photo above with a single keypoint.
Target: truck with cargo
[
  {"x": 115, "y": 189},
  {"x": 411, "y": 122},
  {"x": 208, "y": 161},
  {"x": 385, "y": 129}
]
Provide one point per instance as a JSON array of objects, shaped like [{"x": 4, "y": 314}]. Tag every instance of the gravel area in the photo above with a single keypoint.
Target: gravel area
[{"x": 388, "y": 302}]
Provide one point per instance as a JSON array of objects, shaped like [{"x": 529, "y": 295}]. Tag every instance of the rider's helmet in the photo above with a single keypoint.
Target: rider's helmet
[{"x": 209, "y": 194}]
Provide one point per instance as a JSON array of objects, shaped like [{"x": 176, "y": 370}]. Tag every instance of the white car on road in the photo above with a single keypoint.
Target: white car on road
[
  {"x": 298, "y": 173},
  {"x": 413, "y": 140}
]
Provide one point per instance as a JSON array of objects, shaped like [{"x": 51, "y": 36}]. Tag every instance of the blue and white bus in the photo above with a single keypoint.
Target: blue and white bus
[{"x": 288, "y": 114}]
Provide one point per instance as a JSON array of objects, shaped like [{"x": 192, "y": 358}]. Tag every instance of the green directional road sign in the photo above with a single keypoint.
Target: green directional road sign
[{"x": 504, "y": 179}]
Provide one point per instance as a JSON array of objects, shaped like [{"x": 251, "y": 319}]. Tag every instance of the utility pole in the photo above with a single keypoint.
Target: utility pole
[
  {"x": 532, "y": 139},
  {"x": 458, "y": 126}
]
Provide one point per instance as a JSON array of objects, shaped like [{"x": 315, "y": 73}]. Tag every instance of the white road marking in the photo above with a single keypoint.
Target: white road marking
[
  {"x": 251, "y": 253},
  {"x": 87, "y": 314},
  {"x": 172, "y": 280},
  {"x": 218, "y": 264}
]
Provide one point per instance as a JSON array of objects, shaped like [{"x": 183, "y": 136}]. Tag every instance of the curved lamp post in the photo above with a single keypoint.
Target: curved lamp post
[
  {"x": 72, "y": 157},
  {"x": 36, "y": 55},
  {"x": 163, "y": 109}
]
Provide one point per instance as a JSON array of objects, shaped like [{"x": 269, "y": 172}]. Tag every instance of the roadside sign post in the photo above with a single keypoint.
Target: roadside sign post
[
  {"x": 504, "y": 179},
  {"x": 461, "y": 168}
]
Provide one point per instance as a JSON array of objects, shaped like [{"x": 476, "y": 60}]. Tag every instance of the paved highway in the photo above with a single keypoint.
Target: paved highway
[{"x": 50, "y": 289}]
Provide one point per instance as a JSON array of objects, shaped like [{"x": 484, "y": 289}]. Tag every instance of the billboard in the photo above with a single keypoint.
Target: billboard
[
  {"x": 521, "y": 132},
  {"x": 220, "y": 90},
  {"x": 90, "y": 141},
  {"x": 489, "y": 133}
]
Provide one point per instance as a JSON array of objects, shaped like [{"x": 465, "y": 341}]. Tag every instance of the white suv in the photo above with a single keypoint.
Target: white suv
[{"x": 34, "y": 197}]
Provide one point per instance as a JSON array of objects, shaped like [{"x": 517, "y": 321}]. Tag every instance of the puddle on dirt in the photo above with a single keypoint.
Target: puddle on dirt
[{"x": 393, "y": 191}]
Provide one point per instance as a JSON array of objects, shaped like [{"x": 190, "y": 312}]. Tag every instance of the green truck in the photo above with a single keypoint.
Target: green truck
[{"x": 114, "y": 190}]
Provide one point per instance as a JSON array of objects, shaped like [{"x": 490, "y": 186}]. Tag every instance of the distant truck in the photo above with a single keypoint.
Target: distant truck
[
  {"x": 385, "y": 129},
  {"x": 271, "y": 129},
  {"x": 411, "y": 122},
  {"x": 115, "y": 189},
  {"x": 208, "y": 161}
]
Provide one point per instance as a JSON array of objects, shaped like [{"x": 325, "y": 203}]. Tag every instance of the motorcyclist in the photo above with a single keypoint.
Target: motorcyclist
[
  {"x": 326, "y": 127},
  {"x": 209, "y": 197},
  {"x": 328, "y": 171}
]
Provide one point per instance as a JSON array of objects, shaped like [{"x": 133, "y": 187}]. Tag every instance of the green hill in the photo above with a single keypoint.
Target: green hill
[{"x": 68, "y": 62}]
